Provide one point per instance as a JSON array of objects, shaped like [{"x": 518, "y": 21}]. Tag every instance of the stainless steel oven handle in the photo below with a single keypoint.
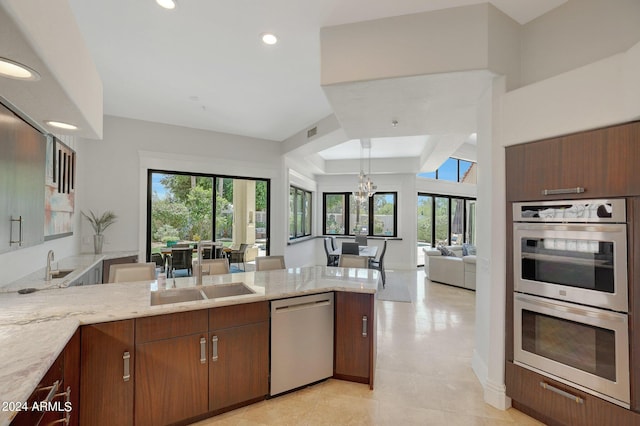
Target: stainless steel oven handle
[
  {"x": 576, "y": 190},
  {"x": 575, "y": 398}
]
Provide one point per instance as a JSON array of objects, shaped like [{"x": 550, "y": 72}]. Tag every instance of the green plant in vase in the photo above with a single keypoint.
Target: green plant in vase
[{"x": 100, "y": 223}]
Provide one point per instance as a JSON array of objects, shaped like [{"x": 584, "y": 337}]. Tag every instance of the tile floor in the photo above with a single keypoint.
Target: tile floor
[{"x": 423, "y": 372}]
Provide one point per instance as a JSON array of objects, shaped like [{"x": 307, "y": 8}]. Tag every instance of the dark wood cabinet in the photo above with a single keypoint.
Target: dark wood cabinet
[
  {"x": 106, "y": 373},
  {"x": 239, "y": 361},
  {"x": 106, "y": 264},
  {"x": 355, "y": 328},
  {"x": 602, "y": 161},
  {"x": 555, "y": 403},
  {"x": 171, "y": 368}
]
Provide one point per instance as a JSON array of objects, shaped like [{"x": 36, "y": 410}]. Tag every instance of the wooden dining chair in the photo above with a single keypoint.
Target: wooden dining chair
[{"x": 353, "y": 261}]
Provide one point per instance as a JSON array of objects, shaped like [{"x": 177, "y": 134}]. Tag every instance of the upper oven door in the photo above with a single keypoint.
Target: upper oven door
[{"x": 584, "y": 264}]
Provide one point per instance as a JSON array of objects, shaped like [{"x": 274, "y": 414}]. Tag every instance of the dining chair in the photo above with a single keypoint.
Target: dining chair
[
  {"x": 350, "y": 248},
  {"x": 129, "y": 272},
  {"x": 361, "y": 240},
  {"x": 379, "y": 263},
  {"x": 181, "y": 258},
  {"x": 334, "y": 243},
  {"x": 208, "y": 251},
  {"x": 332, "y": 259},
  {"x": 353, "y": 261},
  {"x": 269, "y": 263},
  {"x": 158, "y": 260},
  {"x": 215, "y": 266},
  {"x": 237, "y": 256}
]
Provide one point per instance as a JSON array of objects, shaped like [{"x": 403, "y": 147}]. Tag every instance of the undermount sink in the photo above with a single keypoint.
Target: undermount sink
[
  {"x": 225, "y": 290},
  {"x": 175, "y": 296},
  {"x": 191, "y": 294},
  {"x": 61, "y": 273}
]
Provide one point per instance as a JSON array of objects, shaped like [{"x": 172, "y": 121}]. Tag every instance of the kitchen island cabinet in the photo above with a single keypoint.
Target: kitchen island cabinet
[
  {"x": 355, "y": 342},
  {"x": 239, "y": 361},
  {"x": 106, "y": 383},
  {"x": 171, "y": 367}
]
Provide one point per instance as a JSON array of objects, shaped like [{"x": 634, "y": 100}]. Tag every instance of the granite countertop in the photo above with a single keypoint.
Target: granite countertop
[{"x": 35, "y": 327}]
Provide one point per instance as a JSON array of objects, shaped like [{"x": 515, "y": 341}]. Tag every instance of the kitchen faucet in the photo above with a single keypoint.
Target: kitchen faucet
[
  {"x": 199, "y": 274},
  {"x": 48, "y": 272}
]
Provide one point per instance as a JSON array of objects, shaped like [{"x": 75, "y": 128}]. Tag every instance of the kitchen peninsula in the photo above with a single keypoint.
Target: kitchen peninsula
[{"x": 36, "y": 327}]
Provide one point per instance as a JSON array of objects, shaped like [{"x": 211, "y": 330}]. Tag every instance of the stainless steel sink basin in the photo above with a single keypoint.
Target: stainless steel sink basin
[
  {"x": 61, "y": 273},
  {"x": 191, "y": 294},
  {"x": 164, "y": 297},
  {"x": 225, "y": 290}
]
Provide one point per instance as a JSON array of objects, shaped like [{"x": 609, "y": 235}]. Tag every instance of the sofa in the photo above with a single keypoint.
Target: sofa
[{"x": 456, "y": 270}]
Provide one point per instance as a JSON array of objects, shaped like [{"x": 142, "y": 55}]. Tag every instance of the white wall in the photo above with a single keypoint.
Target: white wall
[
  {"x": 117, "y": 175},
  {"x": 577, "y": 33}
]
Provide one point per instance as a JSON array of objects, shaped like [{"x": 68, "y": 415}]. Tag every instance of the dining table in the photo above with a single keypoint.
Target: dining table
[{"x": 367, "y": 251}]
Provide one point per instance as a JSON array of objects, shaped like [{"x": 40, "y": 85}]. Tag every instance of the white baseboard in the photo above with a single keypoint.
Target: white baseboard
[{"x": 494, "y": 393}]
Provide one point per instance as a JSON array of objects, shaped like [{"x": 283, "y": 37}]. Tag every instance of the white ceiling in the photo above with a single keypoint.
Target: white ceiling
[{"x": 203, "y": 65}]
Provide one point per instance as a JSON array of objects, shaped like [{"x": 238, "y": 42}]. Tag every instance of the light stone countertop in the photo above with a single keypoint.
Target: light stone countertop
[
  {"x": 79, "y": 264},
  {"x": 35, "y": 327}
]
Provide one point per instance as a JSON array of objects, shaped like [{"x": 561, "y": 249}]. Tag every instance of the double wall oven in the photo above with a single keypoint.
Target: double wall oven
[{"x": 571, "y": 294}]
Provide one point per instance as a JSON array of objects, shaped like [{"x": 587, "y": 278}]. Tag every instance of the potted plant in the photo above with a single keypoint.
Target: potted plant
[{"x": 99, "y": 223}]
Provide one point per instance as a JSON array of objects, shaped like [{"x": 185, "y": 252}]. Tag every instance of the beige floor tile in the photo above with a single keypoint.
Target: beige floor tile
[{"x": 423, "y": 372}]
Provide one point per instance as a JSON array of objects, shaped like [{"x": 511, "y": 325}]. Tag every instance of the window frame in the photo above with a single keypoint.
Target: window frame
[
  {"x": 437, "y": 173},
  {"x": 348, "y": 226},
  {"x": 449, "y": 198},
  {"x": 301, "y": 195}
]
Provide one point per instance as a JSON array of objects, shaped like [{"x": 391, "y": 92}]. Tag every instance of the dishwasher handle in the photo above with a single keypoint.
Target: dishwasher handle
[{"x": 300, "y": 306}]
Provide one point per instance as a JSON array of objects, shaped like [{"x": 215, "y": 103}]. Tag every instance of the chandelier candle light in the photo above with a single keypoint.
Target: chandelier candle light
[{"x": 365, "y": 188}]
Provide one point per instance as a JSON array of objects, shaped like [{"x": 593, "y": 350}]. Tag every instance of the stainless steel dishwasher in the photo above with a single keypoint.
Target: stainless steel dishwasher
[{"x": 301, "y": 341}]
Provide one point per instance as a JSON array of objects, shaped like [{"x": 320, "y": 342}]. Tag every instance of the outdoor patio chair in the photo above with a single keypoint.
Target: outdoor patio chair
[
  {"x": 181, "y": 258},
  {"x": 237, "y": 256},
  {"x": 158, "y": 260}
]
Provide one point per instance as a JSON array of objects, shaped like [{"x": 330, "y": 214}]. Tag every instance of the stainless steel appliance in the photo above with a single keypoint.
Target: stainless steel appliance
[
  {"x": 582, "y": 260},
  {"x": 571, "y": 294},
  {"x": 584, "y": 347},
  {"x": 301, "y": 341}
]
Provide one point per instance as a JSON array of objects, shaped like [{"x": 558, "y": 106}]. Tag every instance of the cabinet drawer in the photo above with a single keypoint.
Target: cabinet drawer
[
  {"x": 171, "y": 325},
  {"x": 237, "y": 315}
]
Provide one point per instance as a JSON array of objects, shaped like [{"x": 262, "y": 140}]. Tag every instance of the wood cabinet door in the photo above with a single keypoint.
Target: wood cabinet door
[
  {"x": 106, "y": 390},
  {"x": 238, "y": 365},
  {"x": 171, "y": 380},
  {"x": 354, "y": 332}
]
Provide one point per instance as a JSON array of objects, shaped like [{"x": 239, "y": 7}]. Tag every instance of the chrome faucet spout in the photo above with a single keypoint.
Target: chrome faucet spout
[{"x": 48, "y": 272}]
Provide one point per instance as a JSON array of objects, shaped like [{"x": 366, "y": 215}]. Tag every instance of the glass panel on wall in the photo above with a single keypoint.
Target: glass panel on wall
[
  {"x": 358, "y": 216},
  {"x": 464, "y": 168},
  {"x": 442, "y": 221},
  {"x": 425, "y": 225},
  {"x": 449, "y": 170},
  {"x": 457, "y": 221},
  {"x": 383, "y": 214},
  {"x": 299, "y": 209},
  {"x": 224, "y": 211},
  {"x": 334, "y": 208},
  {"x": 292, "y": 209},
  {"x": 307, "y": 214}
]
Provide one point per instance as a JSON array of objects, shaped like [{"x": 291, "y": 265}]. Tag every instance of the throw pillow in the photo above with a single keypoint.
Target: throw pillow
[
  {"x": 445, "y": 251},
  {"x": 468, "y": 250}
]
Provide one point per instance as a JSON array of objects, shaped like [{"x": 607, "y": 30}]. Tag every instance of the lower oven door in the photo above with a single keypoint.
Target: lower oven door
[{"x": 584, "y": 347}]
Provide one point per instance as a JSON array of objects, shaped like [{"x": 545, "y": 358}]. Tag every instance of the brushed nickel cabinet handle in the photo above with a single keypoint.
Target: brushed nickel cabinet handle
[
  {"x": 576, "y": 190},
  {"x": 203, "y": 350},
  {"x": 214, "y": 340},
  {"x": 547, "y": 386},
  {"x": 365, "y": 320},
  {"x": 126, "y": 357}
]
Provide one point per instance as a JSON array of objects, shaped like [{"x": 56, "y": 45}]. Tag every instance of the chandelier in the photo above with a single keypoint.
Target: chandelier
[{"x": 365, "y": 187}]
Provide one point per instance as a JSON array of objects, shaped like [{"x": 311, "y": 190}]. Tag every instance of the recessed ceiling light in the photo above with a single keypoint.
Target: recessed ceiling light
[
  {"x": 11, "y": 69},
  {"x": 61, "y": 125},
  {"x": 269, "y": 38},
  {"x": 167, "y": 4}
]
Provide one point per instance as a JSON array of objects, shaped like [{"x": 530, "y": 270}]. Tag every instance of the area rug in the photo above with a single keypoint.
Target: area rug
[{"x": 394, "y": 292}]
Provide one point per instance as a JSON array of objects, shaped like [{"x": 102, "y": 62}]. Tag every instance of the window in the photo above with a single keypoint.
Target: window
[
  {"x": 299, "y": 213},
  {"x": 189, "y": 207},
  {"x": 445, "y": 220},
  {"x": 377, "y": 216},
  {"x": 454, "y": 170}
]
